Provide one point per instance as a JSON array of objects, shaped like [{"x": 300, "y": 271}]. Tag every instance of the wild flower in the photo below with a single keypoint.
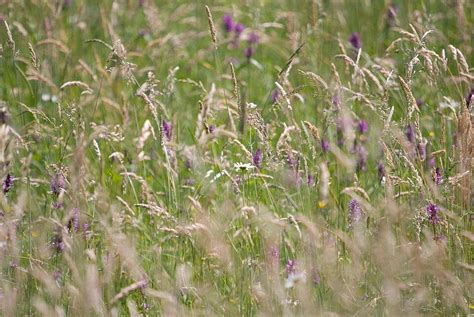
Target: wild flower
[
  {"x": 432, "y": 162},
  {"x": 254, "y": 38},
  {"x": 355, "y": 40},
  {"x": 355, "y": 212},
  {"x": 237, "y": 183},
  {"x": 211, "y": 128},
  {"x": 249, "y": 51},
  {"x": 324, "y": 145},
  {"x": 310, "y": 180},
  {"x": 432, "y": 211},
  {"x": 316, "y": 278},
  {"x": 189, "y": 182},
  {"x": 228, "y": 23},
  {"x": 421, "y": 147},
  {"x": 343, "y": 125},
  {"x": 58, "y": 183},
  {"x": 167, "y": 129},
  {"x": 361, "y": 157},
  {"x": 57, "y": 243},
  {"x": 381, "y": 171},
  {"x": 4, "y": 115},
  {"x": 362, "y": 126},
  {"x": 257, "y": 158},
  {"x": 290, "y": 266},
  {"x": 438, "y": 177},
  {"x": 291, "y": 160},
  {"x": 392, "y": 15},
  {"x": 73, "y": 223},
  {"x": 469, "y": 98},
  {"x": 275, "y": 95},
  {"x": 294, "y": 278},
  {"x": 274, "y": 255},
  {"x": 410, "y": 133},
  {"x": 57, "y": 276},
  {"x": 439, "y": 238},
  {"x": 239, "y": 28},
  {"x": 336, "y": 101},
  {"x": 7, "y": 183},
  {"x": 58, "y": 204},
  {"x": 419, "y": 102},
  {"x": 243, "y": 167},
  {"x": 188, "y": 163}
]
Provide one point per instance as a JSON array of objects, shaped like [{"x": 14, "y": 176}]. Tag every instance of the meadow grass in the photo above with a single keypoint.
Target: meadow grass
[{"x": 190, "y": 158}]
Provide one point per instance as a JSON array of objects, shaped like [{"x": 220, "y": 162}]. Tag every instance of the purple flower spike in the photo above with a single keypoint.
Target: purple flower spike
[
  {"x": 274, "y": 254},
  {"x": 381, "y": 170},
  {"x": 249, "y": 51},
  {"x": 362, "y": 156},
  {"x": 432, "y": 211},
  {"x": 343, "y": 123},
  {"x": 363, "y": 126},
  {"x": 316, "y": 278},
  {"x": 324, "y": 145},
  {"x": 355, "y": 212},
  {"x": 422, "y": 149},
  {"x": 57, "y": 276},
  {"x": 239, "y": 28},
  {"x": 258, "y": 158},
  {"x": 212, "y": 128},
  {"x": 392, "y": 15},
  {"x": 310, "y": 180},
  {"x": 419, "y": 103},
  {"x": 73, "y": 223},
  {"x": 410, "y": 134},
  {"x": 188, "y": 163},
  {"x": 355, "y": 40},
  {"x": 58, "y": 183},
  {"x": 438, "y": 178},
  {"x": 7, "y": 183},
  {"x": 57, "y": 243},
  {"x": 58, "y": 205},
  {"x": 254, "y": 38},
  {"x": 167, "y": 129},
  {"x": 290, "y": 266},
  {"x": 292, "y": 161},
  {"x": 228, "y": 23},
  {"x": 432, "y": 162},
  {"x": 469, "y": 98},
  {"x": 274, "y": 96},
  {"x": 4, "y": 115},
  {"x": 336, "y": 100}
]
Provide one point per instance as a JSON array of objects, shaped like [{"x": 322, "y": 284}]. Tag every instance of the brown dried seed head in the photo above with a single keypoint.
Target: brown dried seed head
[{"x": 212, "y": 28}]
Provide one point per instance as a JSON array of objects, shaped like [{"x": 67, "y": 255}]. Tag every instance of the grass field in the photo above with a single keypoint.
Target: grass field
[{"x": 253, "y": 158}]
